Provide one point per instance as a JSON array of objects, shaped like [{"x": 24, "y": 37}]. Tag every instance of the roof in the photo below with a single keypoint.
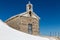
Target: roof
[{"x": 23, "y": 14}]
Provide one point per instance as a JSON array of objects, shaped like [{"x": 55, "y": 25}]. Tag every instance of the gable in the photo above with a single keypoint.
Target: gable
[{"x": 27, "y": 15}]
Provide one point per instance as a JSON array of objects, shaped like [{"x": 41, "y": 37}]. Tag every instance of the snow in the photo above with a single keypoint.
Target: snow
[{"x": 7, "y": 33}]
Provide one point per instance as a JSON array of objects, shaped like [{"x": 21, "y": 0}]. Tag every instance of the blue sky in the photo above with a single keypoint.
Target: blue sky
[{"x": 47, "y": 10}]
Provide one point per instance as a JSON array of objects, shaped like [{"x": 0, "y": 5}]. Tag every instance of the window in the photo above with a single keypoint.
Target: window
[
  {"x": 30, "y": 13},
  {"x": 29, "y": 6},
  {"x": 30, "y": 28}
]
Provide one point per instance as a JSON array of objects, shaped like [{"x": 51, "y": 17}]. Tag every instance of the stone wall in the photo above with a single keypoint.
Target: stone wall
[{"x": 21, "y": 23}]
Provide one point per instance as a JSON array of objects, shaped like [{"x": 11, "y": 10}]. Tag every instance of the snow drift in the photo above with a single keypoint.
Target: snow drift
[{"x": 7, "y": 33}]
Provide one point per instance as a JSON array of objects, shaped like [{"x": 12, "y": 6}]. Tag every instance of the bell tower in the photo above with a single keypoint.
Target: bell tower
[{"x": 29, "y": 7}]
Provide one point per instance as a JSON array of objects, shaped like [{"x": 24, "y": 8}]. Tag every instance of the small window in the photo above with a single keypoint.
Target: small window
[
  {"x": 30, "y": 28},
  {"x": 29, "y": 6},
  {"x": 30, "y": 13}
]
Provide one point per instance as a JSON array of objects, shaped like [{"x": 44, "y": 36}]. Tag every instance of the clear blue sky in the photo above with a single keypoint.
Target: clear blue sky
[{"x": 47, "y": 10}]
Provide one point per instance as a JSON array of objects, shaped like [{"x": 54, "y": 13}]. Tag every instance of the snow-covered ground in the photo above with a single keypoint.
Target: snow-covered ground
[{"x": 7, "y": 33}]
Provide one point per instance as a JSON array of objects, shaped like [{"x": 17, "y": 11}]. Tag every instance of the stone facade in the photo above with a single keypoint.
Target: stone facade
[{"x": 21, "y": 22}]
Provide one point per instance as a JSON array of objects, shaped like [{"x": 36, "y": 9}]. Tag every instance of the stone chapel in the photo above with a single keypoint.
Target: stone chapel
[{"x": 27, "y": 22}]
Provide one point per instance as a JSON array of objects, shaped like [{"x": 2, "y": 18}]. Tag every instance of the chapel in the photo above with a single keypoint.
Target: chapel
[{"x": 27, "y": 21}]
